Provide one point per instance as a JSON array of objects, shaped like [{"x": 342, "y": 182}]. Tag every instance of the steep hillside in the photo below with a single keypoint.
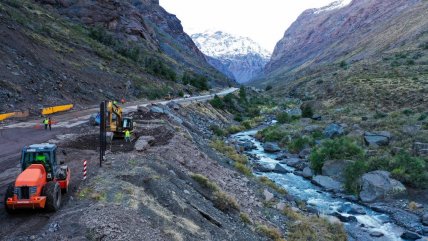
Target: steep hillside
[
  {"x": 84, "y": 51},
  {"x": 369, "y": 52},
  {"x": 237, "y": 57}
]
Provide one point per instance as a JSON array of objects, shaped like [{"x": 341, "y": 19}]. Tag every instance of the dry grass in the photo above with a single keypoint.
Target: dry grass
[
  {"x": 229, "y": 151},
  {"x": 272, "y": 185},
  {"x": 205, "y": 182},
  {"x": 270, "y": 232},
  {"x": 243, "y": 169},
  {"x": 412, "y": 206},
  {"x": 224, "y": 202},
  {"x": 315, "y": 228},
  {"x": 245, "y": 218}
]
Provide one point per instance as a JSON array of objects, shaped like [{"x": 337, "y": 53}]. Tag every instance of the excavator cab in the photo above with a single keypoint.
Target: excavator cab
[
  {"x": 116, "y": 122},
  {"x": 41, "y": 181}
]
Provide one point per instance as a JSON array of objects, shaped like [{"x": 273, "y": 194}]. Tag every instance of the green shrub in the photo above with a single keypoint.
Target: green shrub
[
  {"x": 273, "y": 133},
  {"x": 407, "y": 112},
  {"x": 283, "y": 118},
  {"x": 269, "y": 87},
  {"x": 237, "y": 117},
  {"x": 307, "y": 111},
  {"x": 299, "y": 144},
  {"x": 235, "y": 129},
  {"x": 316, "y": 135},
  {"x": 242, "y": 94},
  {"x": 337, "y": 149},
  {"x": 343, "y": 64},
  {"x": 217, "y": 130},
  {"x": 410, "y": 170},
  {"x": 423, "y": 117},
  {"x": 157, "y": 68},
  {"x": 217, "y": 102},
  {"x": 352, "y": 174},
  {"x": 198, "y": 81}
]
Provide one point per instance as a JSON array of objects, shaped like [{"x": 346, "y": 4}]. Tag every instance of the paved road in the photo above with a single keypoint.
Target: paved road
[{"x": 73, "y": 119}]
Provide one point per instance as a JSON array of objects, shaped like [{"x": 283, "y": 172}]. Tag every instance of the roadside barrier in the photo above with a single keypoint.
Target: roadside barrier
[
  {"x": 84, "y": 170},
  {"x": 6, "y": 115},
  {"x": 16, "y": 114},
  {"x": 55, "y": 109}
]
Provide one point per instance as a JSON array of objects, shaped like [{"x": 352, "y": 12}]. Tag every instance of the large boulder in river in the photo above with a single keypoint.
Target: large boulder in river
[
  {"x": 334, "y": 130},
  {"x": 264, "y": 166},
  {"x": 307, "y": 172},
  {"x": 297, "y": 163},
  {"x": 246, "y": 145},
  {"x": 375, "y": 139},
  {"x": 271, "y": 147},
  {"x": 407, "y": 235},
  {"x": 328, "y": 183},
  {"x": 335, "y": 169},
  {"x": 425, "y": 219},
  {"x": 378, "y": 185}
]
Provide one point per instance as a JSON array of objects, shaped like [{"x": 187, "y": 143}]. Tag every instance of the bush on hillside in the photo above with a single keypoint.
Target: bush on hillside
[
  {"x": 352, "y": 175},
  {"x": 217, "y": 102},
  {"x": 300, "y": 143},
  {"x": 307, "y": 111},
  {"x": 337, "y": 149},
  {"x": 284, "y": 118}
]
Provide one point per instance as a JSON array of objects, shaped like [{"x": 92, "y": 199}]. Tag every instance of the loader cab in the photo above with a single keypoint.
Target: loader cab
[{"x": 44, "y": 154}]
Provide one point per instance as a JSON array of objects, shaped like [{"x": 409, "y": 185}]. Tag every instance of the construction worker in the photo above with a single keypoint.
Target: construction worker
[
  {"x": 127, "y": 135},
  {"x": 50, "y": 123},
  {"x": 46, "y": 123}
]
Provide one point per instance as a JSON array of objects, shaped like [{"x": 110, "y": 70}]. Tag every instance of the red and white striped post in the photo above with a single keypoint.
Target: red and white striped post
[{"x": 84, "y": 169}]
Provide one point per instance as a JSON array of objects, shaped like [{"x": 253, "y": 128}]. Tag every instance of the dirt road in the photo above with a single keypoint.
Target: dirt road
[{"x": 14, "y": 136}]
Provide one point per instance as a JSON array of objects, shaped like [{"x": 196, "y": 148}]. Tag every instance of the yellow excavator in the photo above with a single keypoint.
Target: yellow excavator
[{"x": 116, "y": 122}]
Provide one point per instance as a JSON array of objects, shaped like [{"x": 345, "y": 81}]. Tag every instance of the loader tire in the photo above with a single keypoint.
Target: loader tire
[
  {"x": 9, "y": 193},
  {"x": 52, "y": 191}
]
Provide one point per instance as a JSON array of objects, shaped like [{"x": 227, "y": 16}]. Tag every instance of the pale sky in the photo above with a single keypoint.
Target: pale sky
[{"x": 263, "y": 21}]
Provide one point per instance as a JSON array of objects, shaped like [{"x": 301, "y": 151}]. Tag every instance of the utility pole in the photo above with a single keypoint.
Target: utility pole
[{"x": 103, "y": 137}]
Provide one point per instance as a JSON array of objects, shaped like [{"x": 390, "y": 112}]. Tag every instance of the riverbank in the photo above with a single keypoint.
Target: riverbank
[{"x": 280, "y": 163}]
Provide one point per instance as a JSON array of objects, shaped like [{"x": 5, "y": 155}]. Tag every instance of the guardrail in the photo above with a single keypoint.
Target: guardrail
[
  {"x": 55, "y": 109},
  {"x": 16, "y": 114}
]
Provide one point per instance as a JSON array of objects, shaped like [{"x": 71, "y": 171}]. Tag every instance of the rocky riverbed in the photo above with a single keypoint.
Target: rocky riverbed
[{"x": 378, "y": 213}]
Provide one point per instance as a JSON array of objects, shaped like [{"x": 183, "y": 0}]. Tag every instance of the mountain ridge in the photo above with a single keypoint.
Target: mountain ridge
[
  {"x": 379, "y": 40},
  {"x": 237, "y": 57}
]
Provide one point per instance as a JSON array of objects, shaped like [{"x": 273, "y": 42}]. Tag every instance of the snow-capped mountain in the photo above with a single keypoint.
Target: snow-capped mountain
[
  {"x": 237, "y": 57},
  {"x": 332, "y": 6}
]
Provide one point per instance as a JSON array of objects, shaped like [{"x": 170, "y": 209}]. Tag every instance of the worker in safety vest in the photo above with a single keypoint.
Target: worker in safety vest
[
  {"x": 127, "y": 135},
  {"x": 46, "y": 123}
]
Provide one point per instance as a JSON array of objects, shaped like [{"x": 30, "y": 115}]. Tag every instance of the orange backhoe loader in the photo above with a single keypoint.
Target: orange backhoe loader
[{"x": 41, "y": 182}]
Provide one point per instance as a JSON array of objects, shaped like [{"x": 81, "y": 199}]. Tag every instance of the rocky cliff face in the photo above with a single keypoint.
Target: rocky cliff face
[
  {"x": 377, "y": 39},
  {"x": 82, "y": 51},
  {"x": 136, "y": 21},
  {"x": 237, "y": 57}
]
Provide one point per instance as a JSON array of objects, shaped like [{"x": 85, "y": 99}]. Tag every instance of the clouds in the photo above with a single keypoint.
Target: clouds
[{"x": 263, "y": 21}]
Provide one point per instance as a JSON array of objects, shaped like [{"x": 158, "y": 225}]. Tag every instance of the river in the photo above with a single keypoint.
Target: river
[{"x": 325, "y": 202}]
